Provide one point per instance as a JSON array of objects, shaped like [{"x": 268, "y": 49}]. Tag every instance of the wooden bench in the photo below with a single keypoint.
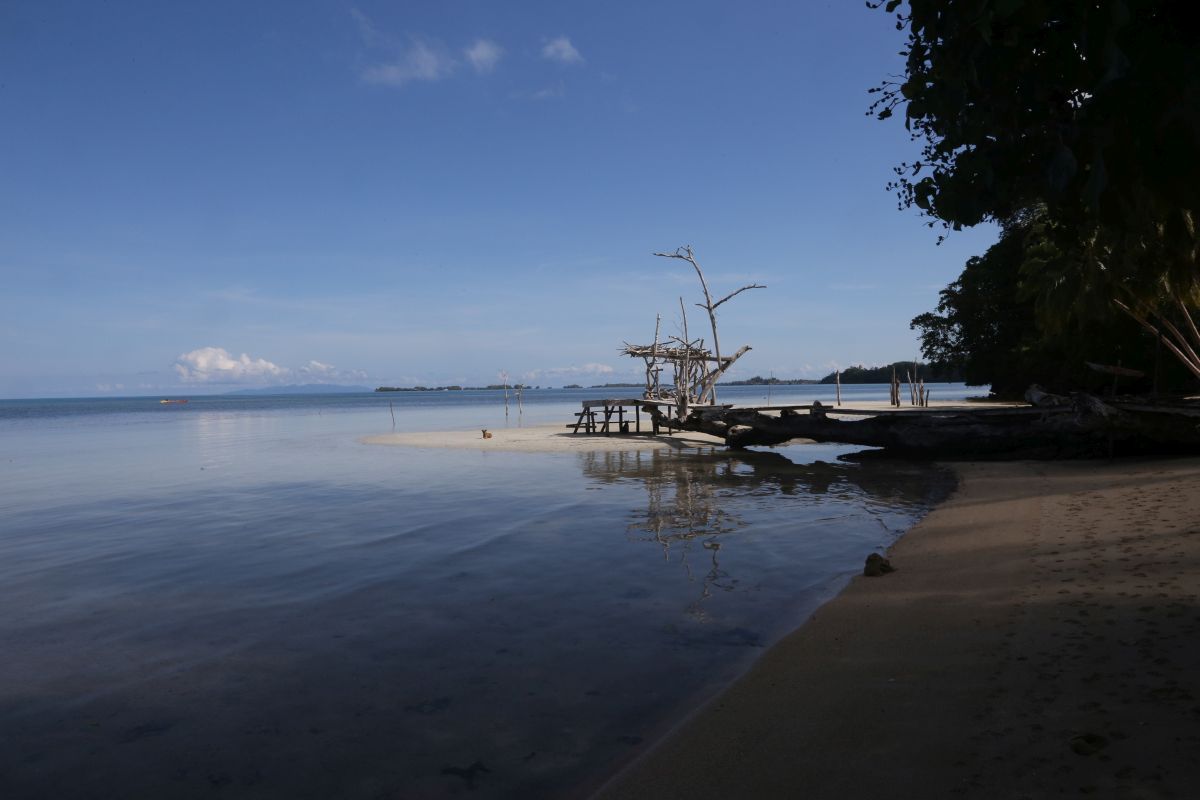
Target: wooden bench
[{"x": 587, "y": 418}]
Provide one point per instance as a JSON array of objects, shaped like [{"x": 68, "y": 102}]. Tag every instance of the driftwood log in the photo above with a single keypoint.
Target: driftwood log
[{"x": 1053, "y": 426}]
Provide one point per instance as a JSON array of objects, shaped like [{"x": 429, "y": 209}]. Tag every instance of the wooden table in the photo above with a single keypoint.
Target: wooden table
[{"x": 591, "y": 421}]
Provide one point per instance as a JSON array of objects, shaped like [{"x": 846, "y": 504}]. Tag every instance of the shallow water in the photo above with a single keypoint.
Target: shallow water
[{"x": 238, "y": 597}]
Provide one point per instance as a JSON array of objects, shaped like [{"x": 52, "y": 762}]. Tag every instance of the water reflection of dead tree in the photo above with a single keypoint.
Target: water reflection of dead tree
[
  {"x": 891, "y": 484},
  {"x": 687, "y": 493},
  {"x": 684, "y": 506}
]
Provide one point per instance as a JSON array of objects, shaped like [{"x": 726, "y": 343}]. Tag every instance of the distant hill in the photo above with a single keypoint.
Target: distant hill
[
  {"x": 930, "y": 373},
  {"x": 758, "y": 380},
  {"x": 305, "y": 388},
  {"x": 491, "y": 387}
]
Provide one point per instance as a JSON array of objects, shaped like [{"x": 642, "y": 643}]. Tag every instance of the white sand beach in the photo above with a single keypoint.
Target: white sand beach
[{"x": 541, "y": 439}]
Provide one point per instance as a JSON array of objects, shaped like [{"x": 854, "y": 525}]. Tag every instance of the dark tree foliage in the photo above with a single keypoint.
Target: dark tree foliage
[
  {"x": 981, "y": 324},
  {"x": 988, "y": 323},
  {"x": 1089, "y": 106},
  {"x": 1087, "y": 109},
  {"x": 930, "y": 373}
]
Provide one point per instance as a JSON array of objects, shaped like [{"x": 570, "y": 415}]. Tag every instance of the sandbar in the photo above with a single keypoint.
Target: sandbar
[
  {"x": 1040, "y": 638},
  {"x": 541, "y": 439},
  {"x": 553, "y": 438}
]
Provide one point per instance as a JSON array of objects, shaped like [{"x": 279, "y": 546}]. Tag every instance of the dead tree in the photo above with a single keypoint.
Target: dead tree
[
  {"x": 695, "y": 369},
  {"x": 709, "y": 389}
]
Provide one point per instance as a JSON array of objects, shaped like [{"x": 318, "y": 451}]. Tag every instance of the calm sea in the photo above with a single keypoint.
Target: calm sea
[{"x": 237, "y": 598}]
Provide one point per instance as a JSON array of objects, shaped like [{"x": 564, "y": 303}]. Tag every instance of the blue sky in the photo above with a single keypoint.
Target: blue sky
[{"x": 197, "y": 197}]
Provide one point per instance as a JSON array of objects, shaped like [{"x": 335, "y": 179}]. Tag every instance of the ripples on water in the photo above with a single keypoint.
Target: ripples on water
[{"x": 248, "y": 600}]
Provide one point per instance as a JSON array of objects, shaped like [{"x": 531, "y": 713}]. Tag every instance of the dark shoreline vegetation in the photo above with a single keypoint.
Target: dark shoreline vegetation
[
  {"x": 1088, "y": 158},
  {"x": 930, "y": 373}
]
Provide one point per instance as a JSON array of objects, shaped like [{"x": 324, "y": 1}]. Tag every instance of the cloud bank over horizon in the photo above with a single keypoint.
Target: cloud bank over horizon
[
  {"x": 216, "y": 365},
  {"x": 590, "y": 370}
]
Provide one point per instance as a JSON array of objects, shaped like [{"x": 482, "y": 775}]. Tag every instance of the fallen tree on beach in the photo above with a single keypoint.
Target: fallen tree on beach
[{"x": 1053, "y": 426}]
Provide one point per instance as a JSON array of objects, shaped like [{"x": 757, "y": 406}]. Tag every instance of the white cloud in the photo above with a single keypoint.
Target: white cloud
[
  {"x": 316, "y": 372},
  {"x": 561, "y": 50},
  {"x": 591, "y": 369},
  {"x": 315, "y": 367},
  {"x": 483, "y": 55},
  {"x": 421, "y": 61},
  {"x": 366, "y": 29},
  {"x": 549, "y": 93},
  {"x": 216, "y": 365}
]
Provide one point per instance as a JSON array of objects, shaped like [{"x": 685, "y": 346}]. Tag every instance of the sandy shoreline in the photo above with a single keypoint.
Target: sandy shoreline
[
  {"x": 555, "y": 438},
  {"x": 1041, "y": 637},
  {"x": 540, "y": 439}
]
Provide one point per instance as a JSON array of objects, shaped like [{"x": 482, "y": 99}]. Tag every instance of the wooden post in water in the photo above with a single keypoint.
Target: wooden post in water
[
  {"x": 683, "y": 378},
  {"x": 837, "y": 381}
]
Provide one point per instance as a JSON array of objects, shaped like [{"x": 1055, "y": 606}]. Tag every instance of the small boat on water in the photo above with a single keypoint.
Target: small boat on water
[{"x": 167, "y": 402}]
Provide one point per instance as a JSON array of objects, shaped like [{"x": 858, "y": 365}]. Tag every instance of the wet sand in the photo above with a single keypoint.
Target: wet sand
[{"x": 1041, "y": 637}]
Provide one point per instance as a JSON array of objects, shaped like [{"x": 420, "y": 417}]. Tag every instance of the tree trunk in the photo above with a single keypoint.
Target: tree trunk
[{"x": 1084, "y": 427}]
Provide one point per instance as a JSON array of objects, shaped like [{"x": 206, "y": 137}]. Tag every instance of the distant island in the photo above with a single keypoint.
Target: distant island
[
  {"x": 305, "y": 388},
  {"x": 758, "y": 380},
  {"x": 930, "y": 373},
  {"x": 490, "y": 388}
]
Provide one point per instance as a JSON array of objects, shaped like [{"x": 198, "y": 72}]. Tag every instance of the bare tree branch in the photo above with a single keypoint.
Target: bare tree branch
[
  {"x": 696, "y": 369},
  {"x": 732, "y": 295},
  {"x": 1187, "y": 315},
  {"x": 1180, "y": 339},
  {"x": 1193, "y": 366},
  {"x": 685, "y": 254}
]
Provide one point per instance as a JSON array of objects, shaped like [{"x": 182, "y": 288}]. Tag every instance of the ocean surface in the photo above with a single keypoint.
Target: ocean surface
[{"x": 237, "y": 598}]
